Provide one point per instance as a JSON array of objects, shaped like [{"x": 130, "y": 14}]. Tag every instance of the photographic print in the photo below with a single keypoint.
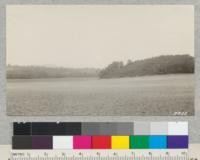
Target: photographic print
[{"x": 100, "y": 60}]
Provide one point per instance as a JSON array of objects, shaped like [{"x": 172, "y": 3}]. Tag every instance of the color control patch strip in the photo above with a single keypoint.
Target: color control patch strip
[{"x": 100, "y": 135}]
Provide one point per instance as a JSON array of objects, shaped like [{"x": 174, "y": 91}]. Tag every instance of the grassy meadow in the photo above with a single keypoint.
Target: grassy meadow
[{"x": 146, "y": 95}]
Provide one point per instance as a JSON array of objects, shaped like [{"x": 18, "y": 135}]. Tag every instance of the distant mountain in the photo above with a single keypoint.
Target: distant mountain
[
  {"x": 166, "y": 64},
  {"x": 30, "y": 72}
]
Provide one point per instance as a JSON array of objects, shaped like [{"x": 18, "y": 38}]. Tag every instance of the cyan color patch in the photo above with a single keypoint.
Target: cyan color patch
[{"x": 157, "y": 142}]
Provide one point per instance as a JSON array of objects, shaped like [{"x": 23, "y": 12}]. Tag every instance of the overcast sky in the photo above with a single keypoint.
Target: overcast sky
[{"x": 95, "y": 36}]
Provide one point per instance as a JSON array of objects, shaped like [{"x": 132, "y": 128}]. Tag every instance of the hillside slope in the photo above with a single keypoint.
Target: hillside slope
[{"x": 167, "y": 64}]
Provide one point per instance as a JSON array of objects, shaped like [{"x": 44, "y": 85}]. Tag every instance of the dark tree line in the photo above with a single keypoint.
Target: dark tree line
[
  {"x": 168, "y": 64},
  {"x": 30, "y": 72}
]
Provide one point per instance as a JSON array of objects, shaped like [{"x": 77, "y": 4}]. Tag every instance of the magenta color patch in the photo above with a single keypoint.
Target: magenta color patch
[{"x": 82, "y": 142}]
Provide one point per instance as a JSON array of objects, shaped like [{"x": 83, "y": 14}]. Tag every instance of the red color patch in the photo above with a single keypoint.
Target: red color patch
[{"x": 101, "y": 142}]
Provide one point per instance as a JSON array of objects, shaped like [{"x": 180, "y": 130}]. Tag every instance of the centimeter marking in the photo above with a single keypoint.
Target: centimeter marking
[{"x": 100, "y": 155}]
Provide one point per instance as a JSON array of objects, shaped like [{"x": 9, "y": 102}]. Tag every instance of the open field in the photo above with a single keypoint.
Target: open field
[{"x": 147, "y": 95}]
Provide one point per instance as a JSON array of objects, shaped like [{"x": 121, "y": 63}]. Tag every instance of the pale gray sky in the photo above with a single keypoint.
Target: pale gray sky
[{"x": 96, "y": 35}]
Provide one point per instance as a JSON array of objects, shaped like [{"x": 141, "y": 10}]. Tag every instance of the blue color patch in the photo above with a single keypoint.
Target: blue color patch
[{"x": 157, "y": 142}]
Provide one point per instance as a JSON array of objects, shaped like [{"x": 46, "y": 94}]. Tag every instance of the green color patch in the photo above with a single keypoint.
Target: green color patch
[{"x": 139, "y": 142}]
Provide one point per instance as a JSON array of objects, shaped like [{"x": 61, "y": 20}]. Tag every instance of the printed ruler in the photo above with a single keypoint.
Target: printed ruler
[
  {"x": 100, "y": 141},
  {"x": 178, "y": 154}
]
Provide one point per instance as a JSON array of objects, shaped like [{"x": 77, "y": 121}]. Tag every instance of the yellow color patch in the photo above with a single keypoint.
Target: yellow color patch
[{"x": 120, "y": 142}]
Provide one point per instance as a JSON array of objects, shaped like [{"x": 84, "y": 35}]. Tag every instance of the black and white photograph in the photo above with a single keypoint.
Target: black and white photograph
[{"x": 100, "y": 60}]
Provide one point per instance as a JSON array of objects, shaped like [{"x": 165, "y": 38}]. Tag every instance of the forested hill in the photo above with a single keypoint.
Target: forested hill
[
  {"x": 168, "y": 64},
  {"x": 30, "y": 72}
]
